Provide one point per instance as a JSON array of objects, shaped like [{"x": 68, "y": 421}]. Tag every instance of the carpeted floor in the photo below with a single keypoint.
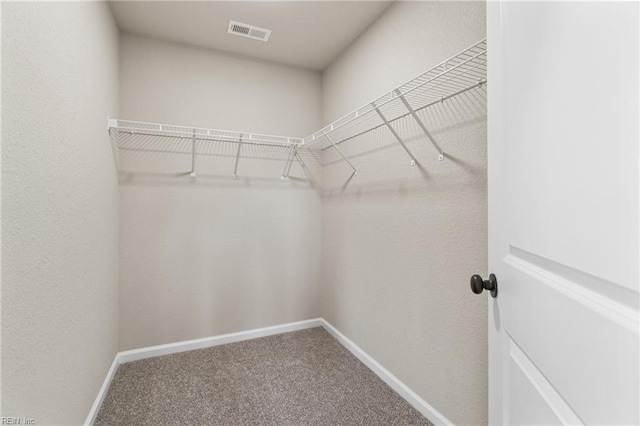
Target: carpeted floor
[{"x": 300, "y": 378}]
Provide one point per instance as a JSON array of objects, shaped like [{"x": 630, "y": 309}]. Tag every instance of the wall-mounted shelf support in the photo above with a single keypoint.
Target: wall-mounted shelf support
[
  {"x": 394, "y": 133},
  {"x": 287, "y": 164},
  {"x": 355, "y": 172},
  {"x": 305, "y": 169},
  {"x": 235, "y": 168},
  {"x": 193, "y": 155},
  {"x": 421, "y": 124},
  {"x": 295, "y": 153}
]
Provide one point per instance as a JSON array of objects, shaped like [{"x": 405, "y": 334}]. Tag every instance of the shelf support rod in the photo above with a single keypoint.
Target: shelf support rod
[
  {"x": 395, "y": 134},
  {"x": 355, "y": 172},
  {"x": 235, "y": 169},
  {"x": 421, "y": 124},
  {"x": 293, "y": 157},
  {"x": 306, "y": 171},
  {"x": 193, "y": 155},
  {"x": 289, "y": 160}
]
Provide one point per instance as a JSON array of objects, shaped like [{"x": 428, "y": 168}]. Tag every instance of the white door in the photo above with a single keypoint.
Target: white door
[{"x": 564, "y": 212}]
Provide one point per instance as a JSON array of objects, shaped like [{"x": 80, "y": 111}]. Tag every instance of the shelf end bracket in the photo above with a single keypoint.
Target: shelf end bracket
[{"x": 111, "y": 123}]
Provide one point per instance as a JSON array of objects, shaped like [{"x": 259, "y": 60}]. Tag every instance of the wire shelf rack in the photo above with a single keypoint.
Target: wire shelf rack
[
  {"x": 138, "y": 136},
  {"x": 171, "y": 131},
  {"x": 458, "y": 74}
]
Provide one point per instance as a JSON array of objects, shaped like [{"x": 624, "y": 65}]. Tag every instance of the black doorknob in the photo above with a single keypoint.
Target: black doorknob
[{"x": 478, "y": 284}]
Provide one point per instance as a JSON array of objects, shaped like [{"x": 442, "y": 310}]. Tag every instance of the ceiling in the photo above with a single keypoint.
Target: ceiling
[{"x": 307, "y": 34}]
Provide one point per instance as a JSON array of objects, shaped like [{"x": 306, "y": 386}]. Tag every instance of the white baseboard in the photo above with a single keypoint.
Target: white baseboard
[
  {"x": 207, "y": 342},
  {"x": 93, "y": 413},
  {"x": 394, "y": 383},
  {"x": 153, "y": 351}
]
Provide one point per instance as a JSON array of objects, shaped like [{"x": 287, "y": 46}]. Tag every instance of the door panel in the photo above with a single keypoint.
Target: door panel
[
  {"x": 572, "y": 77},
  {"x": 587, "y": 349},
  {"x": 564, "y": 122},
  {"x": 534, "y": 400}
]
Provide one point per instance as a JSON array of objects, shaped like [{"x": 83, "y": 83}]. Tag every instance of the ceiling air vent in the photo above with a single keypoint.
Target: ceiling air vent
[{"x": 250, "y": 31}]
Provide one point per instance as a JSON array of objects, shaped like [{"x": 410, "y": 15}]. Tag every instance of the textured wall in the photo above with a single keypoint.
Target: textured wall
[
  {"x": 59, "y": 208},
  {"x": 215, "y": 255},
  {"x": 399, "y": 244},
  {"x": 177, "y": 84}
]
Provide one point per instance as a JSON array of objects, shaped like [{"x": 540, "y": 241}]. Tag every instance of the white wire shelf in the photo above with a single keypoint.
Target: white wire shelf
[
  {"x": 171, "y": 131},
  {"x": 458, "y": 74},
  {"x": 143, "y": 137}
]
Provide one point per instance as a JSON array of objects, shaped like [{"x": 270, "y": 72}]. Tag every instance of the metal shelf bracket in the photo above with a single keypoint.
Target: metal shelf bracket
[
  {"x": 235, "y": 168},
  {"x": 421, "y": 124},
  {"x": 293, "y": 157},
  {"x": 289, "y": 162},
  {"x": 355, "y": 172},
  {"x": 193, "y": 155},
  {"x": 395, "y": 134},
  {"x": 305, "y": 169}
]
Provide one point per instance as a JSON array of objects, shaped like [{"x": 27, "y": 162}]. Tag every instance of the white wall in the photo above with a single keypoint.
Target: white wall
[
  {"x": 178, "y": 84},
  {"x": 400, "y": 244},
  {"x": 59, "y": 208},
  {"x": 215, "y": 255}
]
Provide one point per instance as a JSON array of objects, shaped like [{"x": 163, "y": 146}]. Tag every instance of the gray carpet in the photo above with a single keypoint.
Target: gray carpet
[{"x": 299, "y": 378}]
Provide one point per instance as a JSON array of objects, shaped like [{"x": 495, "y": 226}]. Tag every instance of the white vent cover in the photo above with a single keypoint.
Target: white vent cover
[{"x": 250, "y": 31}]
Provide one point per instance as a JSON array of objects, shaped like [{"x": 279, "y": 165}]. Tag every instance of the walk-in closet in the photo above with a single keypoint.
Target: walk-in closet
[{"x": 281, "y": 212}]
